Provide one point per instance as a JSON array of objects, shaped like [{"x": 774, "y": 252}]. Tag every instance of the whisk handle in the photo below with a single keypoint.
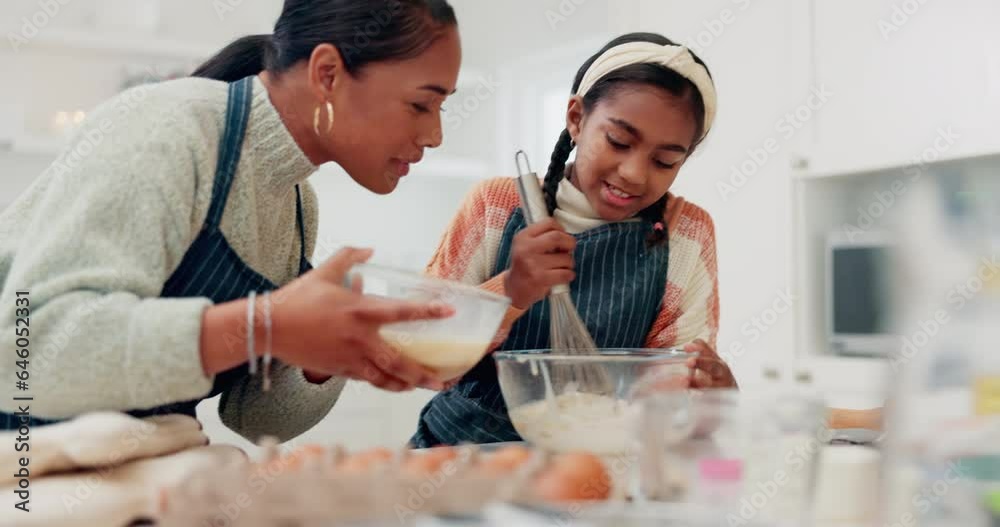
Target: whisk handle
[
  {"x": 532, "y": 198},
  {"x": 529, "y": 188}
]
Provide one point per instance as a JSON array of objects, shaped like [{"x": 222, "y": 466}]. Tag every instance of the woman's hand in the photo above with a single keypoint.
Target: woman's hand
[
  {"x": 708, "y": 370},
  {"x": 542, "y": 257},
  {"x": 327, "y": 329},
  {"x": 870, "y": 419}
]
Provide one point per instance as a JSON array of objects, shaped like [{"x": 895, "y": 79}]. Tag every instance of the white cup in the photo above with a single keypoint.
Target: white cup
[{"x": 848, "y": 484}]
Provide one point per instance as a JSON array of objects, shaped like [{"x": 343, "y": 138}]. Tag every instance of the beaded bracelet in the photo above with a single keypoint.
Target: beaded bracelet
[{"x": 267, "y": 341}]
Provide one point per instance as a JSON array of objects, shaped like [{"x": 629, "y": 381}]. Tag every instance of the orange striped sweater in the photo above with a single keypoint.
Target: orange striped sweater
[{"x": 690, "y": 307}]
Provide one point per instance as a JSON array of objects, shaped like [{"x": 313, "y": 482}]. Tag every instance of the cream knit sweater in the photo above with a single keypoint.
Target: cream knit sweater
[{"x": 99, "y": 232}]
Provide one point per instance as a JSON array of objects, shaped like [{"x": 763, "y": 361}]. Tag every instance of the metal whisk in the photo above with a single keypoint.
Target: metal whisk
[{"x": 567, "y": 332}]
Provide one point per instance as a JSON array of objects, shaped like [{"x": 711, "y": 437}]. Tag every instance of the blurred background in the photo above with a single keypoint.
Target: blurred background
[{"x": 831, "y": 113}]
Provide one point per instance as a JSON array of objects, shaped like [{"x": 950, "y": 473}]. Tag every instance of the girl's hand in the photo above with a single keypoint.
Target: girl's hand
[
  {"x": 542, "y": 257},
  {"x": 327, "y": 329},
  {"x": 708, "y": 370}
]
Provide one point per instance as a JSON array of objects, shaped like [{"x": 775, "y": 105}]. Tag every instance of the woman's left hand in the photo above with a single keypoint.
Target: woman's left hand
[{"x": 708, "y": 370}]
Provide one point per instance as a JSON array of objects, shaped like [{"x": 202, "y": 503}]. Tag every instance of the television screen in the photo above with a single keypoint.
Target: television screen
[{"x": 861, "y": 291}]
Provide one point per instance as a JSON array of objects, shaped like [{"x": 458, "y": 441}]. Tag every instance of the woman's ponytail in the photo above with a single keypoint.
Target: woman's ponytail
[{"x": 245, "y": 57}]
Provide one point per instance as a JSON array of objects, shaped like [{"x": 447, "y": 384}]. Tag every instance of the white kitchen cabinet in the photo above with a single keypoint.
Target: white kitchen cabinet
[{"x": 910, "y": 80}]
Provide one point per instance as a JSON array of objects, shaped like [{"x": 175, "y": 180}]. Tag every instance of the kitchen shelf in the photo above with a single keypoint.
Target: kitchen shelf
[
  {"x": 817, "y": 175},
  {"x": 123, "y": 44}
]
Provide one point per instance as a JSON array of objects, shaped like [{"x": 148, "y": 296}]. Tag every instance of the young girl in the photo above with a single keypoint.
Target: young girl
[{"x": 639, "y": 108}]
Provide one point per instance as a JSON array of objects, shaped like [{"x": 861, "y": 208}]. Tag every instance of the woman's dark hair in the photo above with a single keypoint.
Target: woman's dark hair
[
  {"x": 648, "y": 74},
  {"x": 364, "y": 32}
]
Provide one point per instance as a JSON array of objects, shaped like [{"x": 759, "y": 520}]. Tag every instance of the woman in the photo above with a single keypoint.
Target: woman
[
  {"x": 642, "y": 273},
  {"x": 144, "y": 251}
]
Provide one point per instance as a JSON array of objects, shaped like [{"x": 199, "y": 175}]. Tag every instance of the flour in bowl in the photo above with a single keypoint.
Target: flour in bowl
[{"x": 578, "y": 421}]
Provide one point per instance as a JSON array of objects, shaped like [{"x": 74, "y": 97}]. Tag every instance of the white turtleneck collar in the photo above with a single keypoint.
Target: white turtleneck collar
[{"x": 574, "y": 211}]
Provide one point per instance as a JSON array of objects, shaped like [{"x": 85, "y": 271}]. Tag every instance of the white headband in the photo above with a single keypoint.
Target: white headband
[{"x": 677, "y": 58}]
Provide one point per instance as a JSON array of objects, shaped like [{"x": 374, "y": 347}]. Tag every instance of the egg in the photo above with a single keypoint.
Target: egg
[
  {"x": 578, "y": 476},
  {"x": 297, "y": 459},
  {"x": 312, "y": 450},
  {"x": 443, "y": 453},
  {"x": 505, "y": 460},
  {"x": 365, "y": 461},
  {"x": 429, "y": 462}
]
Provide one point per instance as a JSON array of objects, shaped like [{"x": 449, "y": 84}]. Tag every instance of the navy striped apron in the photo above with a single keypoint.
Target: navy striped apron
[
  {"x": 211, "y": 268},
  {"x": 618, "y": 292}
]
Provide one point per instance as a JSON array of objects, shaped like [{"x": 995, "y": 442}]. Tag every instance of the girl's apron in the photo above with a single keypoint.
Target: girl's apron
[
  {"x": 618, "y": 291},
  {"x": 211, "y": 268}
]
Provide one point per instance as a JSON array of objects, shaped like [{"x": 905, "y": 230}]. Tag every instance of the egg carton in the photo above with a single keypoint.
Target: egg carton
[{"x": 323, "y": 486}]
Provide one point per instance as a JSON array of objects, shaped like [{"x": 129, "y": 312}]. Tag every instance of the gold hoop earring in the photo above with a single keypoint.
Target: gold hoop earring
[{"x": 329, "y": 118}]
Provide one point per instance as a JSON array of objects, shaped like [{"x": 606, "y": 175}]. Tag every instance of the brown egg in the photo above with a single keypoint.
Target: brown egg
[
  {"x": 311, "y": 450},
  {"x": 505, "y": 460},
  {"x": 297, "y": 459},
  {"x": 362, "y": 462},
  {"x": 574, "y": 477},
  {"x": 444, "y": 453},
  {"x": 430, "y": 461}
]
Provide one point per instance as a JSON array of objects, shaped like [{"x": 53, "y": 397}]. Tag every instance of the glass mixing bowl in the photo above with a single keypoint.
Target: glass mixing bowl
[
  {"x": 565, "y": 402},
  {"x": 450, "y": 346}
]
